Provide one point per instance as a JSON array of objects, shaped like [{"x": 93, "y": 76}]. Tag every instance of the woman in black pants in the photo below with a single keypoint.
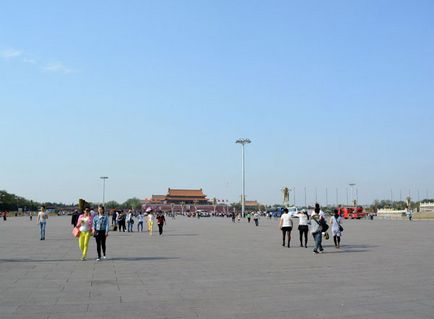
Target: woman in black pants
[
  {"x": 100, "y": 231},
  {"x": 303, "y": 227}
]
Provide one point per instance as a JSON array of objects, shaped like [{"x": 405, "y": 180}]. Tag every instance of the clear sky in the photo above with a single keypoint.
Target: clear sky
[{"x": 154, "y": 94}]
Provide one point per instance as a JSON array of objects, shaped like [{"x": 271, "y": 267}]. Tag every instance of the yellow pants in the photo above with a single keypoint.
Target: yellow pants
[
  {"x": 150, "y": 227},
  {"x": 83, "y": 242}
]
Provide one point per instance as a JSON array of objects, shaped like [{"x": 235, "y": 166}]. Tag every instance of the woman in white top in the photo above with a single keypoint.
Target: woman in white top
[
  {"x": 285, "y": 225},
  {"x": 303, "y": 227},
  {"x": 337, "y": 229},
  {"x": 85, "y": 224}
]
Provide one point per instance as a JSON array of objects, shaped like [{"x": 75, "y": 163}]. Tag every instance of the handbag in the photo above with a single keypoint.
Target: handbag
[
  {"x": 76, "y": 232},
  {"x": 340, "y": 227},
  {"x": 324, "y": 225}
]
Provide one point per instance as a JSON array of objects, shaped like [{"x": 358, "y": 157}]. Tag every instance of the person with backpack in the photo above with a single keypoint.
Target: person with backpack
[
  {"x": 316, "y": 229},
  {"x": 337, "y": 229}
]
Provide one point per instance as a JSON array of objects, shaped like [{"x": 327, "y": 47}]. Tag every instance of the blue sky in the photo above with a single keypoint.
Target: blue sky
[{"x": 153, "y": 94}]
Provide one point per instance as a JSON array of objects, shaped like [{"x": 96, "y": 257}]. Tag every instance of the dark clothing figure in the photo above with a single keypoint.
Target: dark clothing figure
[
  {"x": 286, "y": 230},
  {"x": 303, "y": 230},
  {"x": 74, "y": 218},
  {"x": 161, "y": 221},
  {"x": 100, "y": 242}
]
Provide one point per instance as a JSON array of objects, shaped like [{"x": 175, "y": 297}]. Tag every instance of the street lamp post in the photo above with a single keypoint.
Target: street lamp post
[
  {"x": 352, "y": 193},
  {"x": 243, "y": 141},
  {"x": 103, "y": 188}
]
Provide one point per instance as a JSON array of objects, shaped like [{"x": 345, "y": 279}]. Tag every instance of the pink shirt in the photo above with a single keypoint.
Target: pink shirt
[{"x": 89, "y": 222}]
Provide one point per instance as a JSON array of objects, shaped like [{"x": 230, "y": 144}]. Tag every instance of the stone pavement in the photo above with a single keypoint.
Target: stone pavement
[{"x": 212, "y": 268}]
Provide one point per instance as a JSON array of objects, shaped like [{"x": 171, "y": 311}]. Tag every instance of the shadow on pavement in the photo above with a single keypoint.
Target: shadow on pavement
[
  {"x": 180, "y": 235},
  {"x": 141, "y": 258},
  {"x": 27, "y": 260},
  {"x": 330, "y": 249}
]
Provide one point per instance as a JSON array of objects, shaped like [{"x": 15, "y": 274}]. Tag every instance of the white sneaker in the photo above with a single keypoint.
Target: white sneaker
[
  {"x": 104, "y": 257},
  {"x": 98, "y": 259}
]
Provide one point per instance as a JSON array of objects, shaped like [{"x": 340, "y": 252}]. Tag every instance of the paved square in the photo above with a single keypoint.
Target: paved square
[{"x": 212, "y": 268}]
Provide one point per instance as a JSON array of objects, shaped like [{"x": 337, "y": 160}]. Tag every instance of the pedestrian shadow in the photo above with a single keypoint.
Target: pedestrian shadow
[
  {"x": 141, "y": 258},
  {"x": 180, "y": 235},
  {"x": 360, "y": 248},
  {"x": 344, "y": 251},
  {"x": 28, "y": 260}
]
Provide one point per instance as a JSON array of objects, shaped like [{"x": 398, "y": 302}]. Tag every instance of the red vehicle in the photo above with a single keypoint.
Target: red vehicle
[{"x": 352, "y": 212}]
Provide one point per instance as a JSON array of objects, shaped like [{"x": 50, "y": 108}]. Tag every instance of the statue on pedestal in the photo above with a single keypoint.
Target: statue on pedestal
[{"x": 285, "y": 192}]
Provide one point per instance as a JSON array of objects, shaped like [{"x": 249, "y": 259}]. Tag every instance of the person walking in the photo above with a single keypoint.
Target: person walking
[
  {"x": 31, "y": 216},
  {"x": 150, "y": 222},
  {"x": 239, "y": 217},
  {"x": 122, "y": 216},
  {"x": 303, "y": 227},
  {"x": 285, "y": 224},
  {"x": 140, "y": 219},
  {"x": 233, "y": 217},
  {"x": 130, "y": 221},
  {"x": 100, "y": 231},
  {"x": 42, "y": 222},
  {"x": 85, "y": 223},
  {"x": 316, "y": 230},
  {"x": 256, "y": 218},
  {"x": 249, "y": 217},
  {"x": 335, "y": 222},
  {"x": 118, "y": 220},
  {"x": 161, "y": 221},
  {"x": 409, "y": 213},
  {"x": 114, "y": 222}
]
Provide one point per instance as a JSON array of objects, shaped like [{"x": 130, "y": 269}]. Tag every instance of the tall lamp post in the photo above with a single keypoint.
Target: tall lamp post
[
  {"x": 243, "y": 141},
  {"x": 103, "y": 188},
  {"x": 352, "y": 193}
]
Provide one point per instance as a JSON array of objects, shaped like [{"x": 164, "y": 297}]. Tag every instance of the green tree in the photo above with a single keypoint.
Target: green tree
[
  {"x": 112, "y": 205},
  {"x": 133, "y": 203}
]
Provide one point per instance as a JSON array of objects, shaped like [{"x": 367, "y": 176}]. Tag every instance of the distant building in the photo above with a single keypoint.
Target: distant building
[
  {"x": 181, "y": 196},
  {"x": 389, "y": 213},
  {"x": 157, "y": 199},
  {"x": 426, "y": 208},
  {"x": 252, "y": 205}
]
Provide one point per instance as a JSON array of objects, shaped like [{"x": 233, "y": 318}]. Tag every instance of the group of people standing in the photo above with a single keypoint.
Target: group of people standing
[
  {"x": 256, "y": 216},
  {"x": 90, "y": 224},
  {"x": 317, "y": 225},
  {"x": 122, "y": 221}
]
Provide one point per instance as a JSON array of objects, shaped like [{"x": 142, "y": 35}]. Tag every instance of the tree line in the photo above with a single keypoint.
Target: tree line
[{"x": 13, "y": 202}]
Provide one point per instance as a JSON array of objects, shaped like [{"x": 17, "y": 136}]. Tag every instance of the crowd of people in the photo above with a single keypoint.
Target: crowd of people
[
  {"x": 316, "y": 223},
  {"x": 90, "y": 224},
  {"x": 97, "y": 224}
]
